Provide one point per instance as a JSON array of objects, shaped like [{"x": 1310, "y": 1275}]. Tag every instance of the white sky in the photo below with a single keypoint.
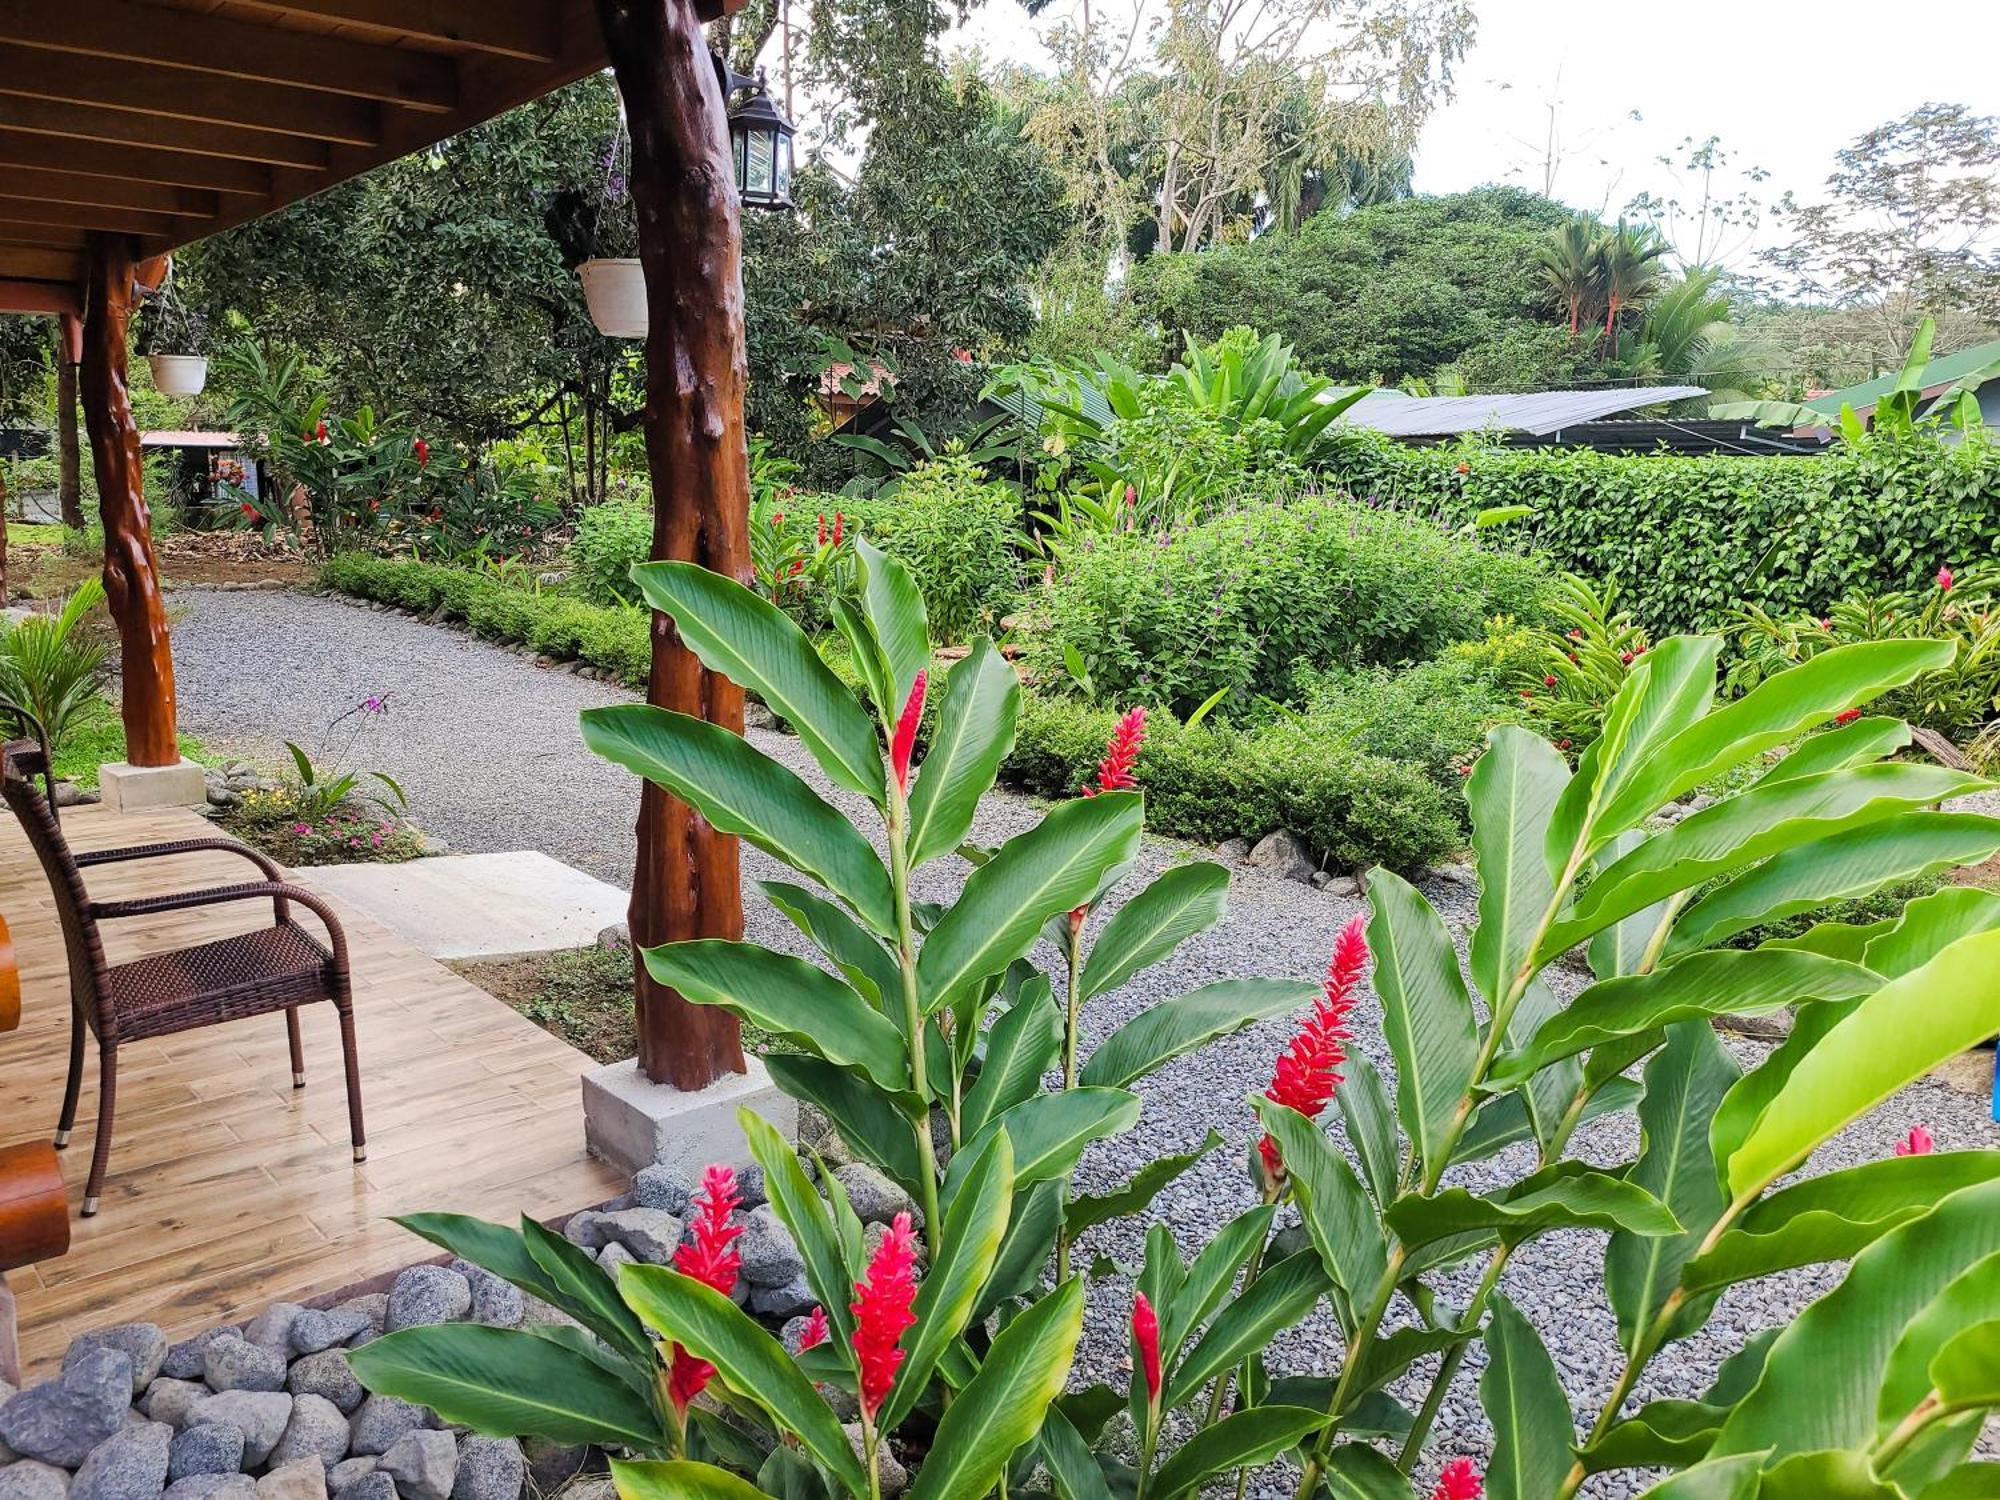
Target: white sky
[{"x": 1784, "y": 85}]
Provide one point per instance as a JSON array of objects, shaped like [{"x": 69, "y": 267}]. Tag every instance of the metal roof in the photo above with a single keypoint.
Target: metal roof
[
  {"x": 1938, "y": 374},
  {"x": 1402, "y": 415}
]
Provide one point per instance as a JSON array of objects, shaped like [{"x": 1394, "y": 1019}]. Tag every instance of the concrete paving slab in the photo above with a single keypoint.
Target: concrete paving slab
[{"x": 501, "y": 905}]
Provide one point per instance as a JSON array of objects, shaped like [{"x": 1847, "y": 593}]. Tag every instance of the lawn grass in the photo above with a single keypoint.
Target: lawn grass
[{"x": 101, "y": 738}]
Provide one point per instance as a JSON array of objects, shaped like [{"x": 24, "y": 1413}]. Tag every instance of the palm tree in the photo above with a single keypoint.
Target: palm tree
[
  {"x": 1633, "y": 264},
  {"x": 1573, "y": 271}
]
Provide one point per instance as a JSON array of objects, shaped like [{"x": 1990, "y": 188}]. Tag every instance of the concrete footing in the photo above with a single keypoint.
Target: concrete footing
[
  {"x": 129, "y": 788},
  {"x": 632, "y": 1122}
]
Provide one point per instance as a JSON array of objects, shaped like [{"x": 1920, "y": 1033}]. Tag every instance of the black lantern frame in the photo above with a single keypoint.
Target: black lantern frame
[{"x": 760, "y": 143}]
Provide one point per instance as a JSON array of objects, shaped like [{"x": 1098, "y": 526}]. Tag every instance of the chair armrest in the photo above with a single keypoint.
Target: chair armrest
[
  {"x": 256, "y": 890},
  {"x": 87, "y": 858}
]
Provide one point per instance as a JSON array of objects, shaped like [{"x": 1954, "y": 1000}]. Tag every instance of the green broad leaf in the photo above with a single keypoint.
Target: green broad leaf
[
  {"x": 749, "y": 640},
  {"x": 1966, "y": 1482},
  {"x": 1755, "y": 982},
  {"x": 1752, "y": 1094},
  {"x": 1165, "y": 1031},
  {"x": 806, "y": 1214},
  {"x": 491, "y": 1247},
  {"x": 975, "y": 732},
  {"x": 1280, "y": 1297},
  {"x": 1087, "y": 1211},
  {"x": 1839, "y": 1475},
  {"x": 1715, "y": 1479},
  {"x": 1186, "y": 900},
  {"x": 1338, "y": 1214},
  {"x": 679, "y": 1479},
  {"x": 1072, "y": 1468},
  {"x": 1022, "y": 1046},
  {"x": 865, "y": 654},
  {"x": 1512, "y": 792},
  {"x": 1966, "y": 1371},
  {"x": 1842, "y": 940},
  {"x": 580, "y": 1340},
  {"x": 869, "y": 967},
  {"x": 1004, "y": 1404},
  {"x": 1053, "y": 867},
  {"x": 1896, "y": 1035},
  {"x": 1242, "y": 1440},
  {"x": 1568, "y": 1195},
  {"x": 1426, "y": 1012},
  {"x": 1659, "y": 1435},
  {"x": 1503, "y": 1120},
  {"x": 1355, "y": 1471},
  {"x": 1852, "y": 744},
  {"x": 1685, "y": 1082},
  {"x": 753, "y": 1364},
  {"x": 1835, "y": 1216},
  {"x": 1776, "y": 710},
  {"x": 1929, "y": 925},
  {"x": 1533, "y": 1430},
  {"x": 894, "y": 609},
  {"x": 789, "y": 997},
  {"x": 1548, "y": 1093},
  {"x": 741, "y": 790},
  {"x": 1028, "y": 1247},
  {"x": 1970, "y": 1300},
  {"x": 1371, "y": 1124},
  {"x": 1626, "y": 946},
  {"x": 1845, "y": 867},
  {"x": 1824, "y": 1371},
  {"x": 1186, "y": 1306},
  {"x": 584, "y": 1291},
  {"x": 1390, "y": 1355},
  {"x": 506, "y": 1383},
  {"x": 866, "y": 1117},
  {"x": 974, "y": 1227},
  {"x": 1049, "y": 1133},
  {"x": 1753, "y": 825}
]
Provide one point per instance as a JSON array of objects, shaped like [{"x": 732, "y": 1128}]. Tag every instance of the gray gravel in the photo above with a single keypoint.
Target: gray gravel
[{"x": 487, "y": 745}]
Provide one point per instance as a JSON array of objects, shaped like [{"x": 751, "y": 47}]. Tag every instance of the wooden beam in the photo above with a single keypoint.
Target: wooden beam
[
  {"x": 40, "y": 297},
  {"x": 40, "y": 212},
  {"x": 224, "y": 142},
  {"x": 119, "y": 29},
  {"x": 176, "y": 94},
  {"x": 107, "y": 192},
  {"x": 511, "y": 28},
  {"x": 23, "y": 263},
  {"x": 50, "y": 236},
  {"x": 22, "y": 148}
]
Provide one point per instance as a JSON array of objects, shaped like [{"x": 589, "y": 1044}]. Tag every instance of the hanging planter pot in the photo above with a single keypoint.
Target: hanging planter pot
[
  {"x": 179, "y": 374},
  {"x": 615, "y": 291}
]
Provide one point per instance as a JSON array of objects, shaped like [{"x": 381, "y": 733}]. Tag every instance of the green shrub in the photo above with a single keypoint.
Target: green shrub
[
  {"x": 956, "y": 534},
  {"x": 1235, "y": 603},
  {"x": 1434, "y": 715},
  {"x": 609, "y": 540}
]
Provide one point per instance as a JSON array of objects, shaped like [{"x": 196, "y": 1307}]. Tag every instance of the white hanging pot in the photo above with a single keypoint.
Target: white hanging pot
[
  {"x": 615, "y": 291},
  {"x": 179, "y": 374}
]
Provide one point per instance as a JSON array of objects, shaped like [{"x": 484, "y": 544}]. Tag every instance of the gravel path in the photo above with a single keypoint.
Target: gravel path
[{"x": 486, "y": 744}]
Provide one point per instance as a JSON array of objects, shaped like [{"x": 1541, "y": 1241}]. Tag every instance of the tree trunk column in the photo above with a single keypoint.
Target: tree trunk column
[
  {"x": 131, "y": 577},
  {"x": 69, "y": 483},
  {"x": 686, "y": 882}
]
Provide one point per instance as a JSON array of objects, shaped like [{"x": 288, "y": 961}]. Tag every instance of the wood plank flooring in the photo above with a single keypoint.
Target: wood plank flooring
[{"x": 229, "y": 1189}]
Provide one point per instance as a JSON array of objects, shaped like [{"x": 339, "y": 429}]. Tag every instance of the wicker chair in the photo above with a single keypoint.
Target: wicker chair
[{"x": 279, "y": 967}]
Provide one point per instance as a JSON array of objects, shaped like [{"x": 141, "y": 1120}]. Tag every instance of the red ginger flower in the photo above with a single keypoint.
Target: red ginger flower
[
  {"x": 839, "y": 522},
  {"x": 1944, "y": 578},
  {"x": 904, "y": 743},
  {"x": 1308, "y": 1071},
  {"x": 1121, "y": 754},
  {"x": 822, "y": 528},
  {"x": 881, "y": 1307},
  {"x": 1146, "y": 1335},
  {"x": 1917, "y": 1143},
  {"x": 1459, "y": 1481},
  {"x": 423, "y": 452},
  {"x": 814, "y": 1333},
  {"x": 1847, "y": 716},
  {"x": 708, "y": 1257}
]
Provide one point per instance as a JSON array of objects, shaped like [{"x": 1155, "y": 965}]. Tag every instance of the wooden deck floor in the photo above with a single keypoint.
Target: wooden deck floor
[{"x": 229, "y": 1189}]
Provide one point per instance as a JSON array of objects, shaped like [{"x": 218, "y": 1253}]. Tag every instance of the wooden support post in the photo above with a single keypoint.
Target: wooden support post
[
  {"x": 131, "y": 577},
  {"x": 69, "y": 481},
  {"x": 686, "y": 883}
]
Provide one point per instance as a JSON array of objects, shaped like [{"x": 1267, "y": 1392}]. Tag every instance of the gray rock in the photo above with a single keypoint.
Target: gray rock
[
  {"x": 349, "y": 1472},
  {"x": 1457, "y": 874},
  {"x": 551, "y": 1464},
  {"x": 614, "y": 939},
  {"x": 651, "y": 1234},
  {"x": 318, "y": 1329},
  {"x": 371, "y": 1486},
  {"x": 318, "y": 1429},
  {"x": 872, "y": 1236},
  {"x": 1234, "y": 850},
  {"x": 895, "y": 1478},
  {"x": 770, "y": 1255},
  {"x": 372, "y": 1305},
  {"x": 259, "y": 1415},
  {"x": 611, "y": 1257},
  {"x": 183, "y": 1361},
  {"x": 424, "y": 1295},
  {"x": 583, "y": 1229},
  {"x": 326, "y": 1374},
  {"x": 1321, "y": 880},
  {"x": 495, "y": 1302},
  {"x": 236, "y": 1364},
  {"x": 213, "y": 1487},
  {"x": 61, "y": 1420},
  {"x": 1344, "y": 885},
  {"x": 665, "y": 1187},
  {"x": 787, "y": 1301},
  {"x": 596, "y": 1487},
  {"x": 142, "y": 1343},
  {"x": 31, "y": 1479},
  {"x": 423, "y": 1464},
  {"x": 169, "y": 1400},
  {"x": 750, "y": 1189},
  {"x": 131, "y": 1464},
  {"x": 302, "y": 1479},
  {"x": 272, "y": 1328},
  {"x": 1283, "y": 855},
  {"x": 381, "y": 1420},
  {"x": 489, "y": 1469},
  {"x": 876, "y": 1199},
  {"x": 205, "y": 1448}
]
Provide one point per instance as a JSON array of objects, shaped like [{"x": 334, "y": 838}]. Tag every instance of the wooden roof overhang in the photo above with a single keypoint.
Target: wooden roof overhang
[{"x": 168, "y": 120}]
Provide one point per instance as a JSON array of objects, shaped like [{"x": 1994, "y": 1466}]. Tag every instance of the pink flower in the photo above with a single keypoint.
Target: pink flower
[
  {"x": 1944, "y": 578},
  {"x": 706, "y": 1257},
  {"x": 1146, "y": 1337},
  {"x": 1114, "y": 772},
  {"x": 1917, "y": 1143},
  {"x": 904, "y": 743},
  {"x": 1309, "y": 1070},
  {"x": 1459, "y": 1481},
  {"x": 881, "y": 1307},
  {"x": 1549, "y": 680},
  {"x": 814, "y": 1333}
]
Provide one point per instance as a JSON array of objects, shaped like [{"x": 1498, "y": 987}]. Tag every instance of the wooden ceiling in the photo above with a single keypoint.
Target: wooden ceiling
[{"x": 171, "y": 119}]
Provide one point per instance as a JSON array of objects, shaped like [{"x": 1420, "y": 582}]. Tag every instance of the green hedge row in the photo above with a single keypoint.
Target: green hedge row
[
  {"x": 1688, "y": 538},
  {"x": 614, "y": 639}
]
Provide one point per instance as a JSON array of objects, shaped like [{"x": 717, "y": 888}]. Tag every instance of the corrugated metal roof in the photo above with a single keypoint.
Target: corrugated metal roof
[
  {"x": 1940, "y": 372},
  {"x": 1402, "y": 415}
]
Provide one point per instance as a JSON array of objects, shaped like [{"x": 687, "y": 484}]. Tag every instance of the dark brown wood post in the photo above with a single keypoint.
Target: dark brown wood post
[
  {"x": 131, "y": 577},
  {"x": 686, "y": 883},
  {"x": 69, "y": 483}
]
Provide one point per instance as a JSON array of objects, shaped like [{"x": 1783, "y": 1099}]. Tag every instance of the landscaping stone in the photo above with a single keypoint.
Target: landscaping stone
[
  {"x": 236, "y": 1364},
  {"x": 349, "y": 1472},
  {"x": 381, "y": 1420},
  {"x": 664, "y": 1186},
  {"x": 489, "y": 1468},
  {"x": 770, "y": 1255},
  {"x": 611, "y": 1257},
  {"x": 794, "y": 1297},
  {"x": 495, "y": 1302},
  {"x": 1284, "y": 856},
  {"x": 169, "y": 1400},
  {"x": 1344, "y": 885},
  {"x": 205, "y": 1448},
  {"x": 31, "y": 1479},
  {"x": 750, "y": 1187},
  {"x": 371, "y": 1487},
  {"x": 895, "y": 1478},
  {"x": 318, "y": 1429},
  {"x": 651, "y": 1234},
  {"x": 213, "y": 1487},
  {"x": 142, "y": 1343},
  {"x": 183, "y": 1361},
  {"x": 271, "y": 1329},
  {"x": 424, "y": 1295},
  {"x": 61, "y": 1420},
  {"x": 131, "y": 1464},
  {"x": 1233, "y": 850},
  {"x": 876, "y": 1199},
  {"x": 326, "y": 1374},
  {"x": 374, "y": 1306},
  {"x": 586, "y": 1229},
  {"x": 303, "y": 1479},
  {"x": 424, "y": 1465},
  {"x": 318, "y": 1329},
  {"x": 259, "y": 1415},
  {"x": 551, "y": 1464}
]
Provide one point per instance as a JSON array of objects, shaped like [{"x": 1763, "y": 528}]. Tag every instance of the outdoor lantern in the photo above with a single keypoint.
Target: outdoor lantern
[{"x": 761, "y": 139}]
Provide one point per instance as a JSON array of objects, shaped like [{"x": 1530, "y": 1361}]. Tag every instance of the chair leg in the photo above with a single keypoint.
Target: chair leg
[
  {"x": 298, "y": 1047},
  {"x": 107, "y": 1104},
  {"x": 67, "y": 1122},
  {"x": 352, "y": 1060}
]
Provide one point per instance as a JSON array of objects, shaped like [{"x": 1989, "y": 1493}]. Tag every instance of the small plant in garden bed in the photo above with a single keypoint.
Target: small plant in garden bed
[{"x": 277, "y": 821}]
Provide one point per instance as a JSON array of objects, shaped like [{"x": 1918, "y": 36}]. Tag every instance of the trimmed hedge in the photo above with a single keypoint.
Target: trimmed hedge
[{"x": 1688, "y": 539}]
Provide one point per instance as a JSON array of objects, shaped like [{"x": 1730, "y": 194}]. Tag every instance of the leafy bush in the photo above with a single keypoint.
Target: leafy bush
[
  {"x": 1435, "y": 714},
  {"x": 1234, "y": 603},
  {"x": 957, "y": 535},
  {"x": 610, "y": 540},
  {"x": 52, "y": 676}
]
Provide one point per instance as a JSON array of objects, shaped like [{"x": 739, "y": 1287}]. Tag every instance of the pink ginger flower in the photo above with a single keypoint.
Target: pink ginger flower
[
  {"x": 1459, "y": 1481},
  {"x": 1944, "y": 578},
  {"x": 1917, "y": 1143},
  {"x": 1121, "y": 754},
  {"x": 1308, "y": 1071},
  {"x": 904, "y": 743},
  {"x": 882, "y": 1312},
  {"x": 814, "y": 1333},
  {"x": 710, "y": 1258},
  {"x": 1146, "y": 1338}
]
